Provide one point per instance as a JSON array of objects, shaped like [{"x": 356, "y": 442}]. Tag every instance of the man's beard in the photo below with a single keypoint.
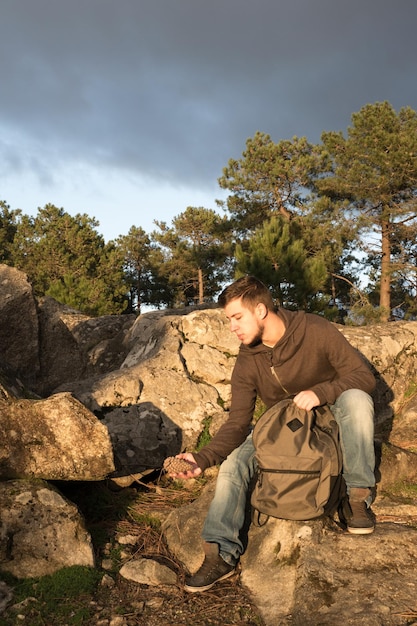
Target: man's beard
[{"x": 257, "y": 339}]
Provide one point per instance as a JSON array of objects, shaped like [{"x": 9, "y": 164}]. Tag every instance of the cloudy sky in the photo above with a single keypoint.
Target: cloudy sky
[{"x": 128, "y": 110}]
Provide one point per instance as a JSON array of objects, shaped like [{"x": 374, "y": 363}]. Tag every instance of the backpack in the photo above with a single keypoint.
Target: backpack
[{"x": 299, "y": 463}]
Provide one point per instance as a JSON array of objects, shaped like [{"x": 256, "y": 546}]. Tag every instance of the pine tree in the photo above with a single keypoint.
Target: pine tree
[{"x": 374, "y": 169}]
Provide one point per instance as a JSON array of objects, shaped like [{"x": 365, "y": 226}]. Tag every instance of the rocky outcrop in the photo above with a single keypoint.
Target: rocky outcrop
[
  {"x": 114, "y": 396},
  {"x": 73, "y": 346}
]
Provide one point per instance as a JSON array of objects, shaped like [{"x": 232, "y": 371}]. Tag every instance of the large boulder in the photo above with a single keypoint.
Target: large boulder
[
  {"x": 142, "y": 437},
  {"x": 40, "y": 530},
  {"x": 19, "y": 325},
  {"x": 56, "y": 439},
  {"x": 162, "y": 368},
  {"x": 74, "y": 346}
]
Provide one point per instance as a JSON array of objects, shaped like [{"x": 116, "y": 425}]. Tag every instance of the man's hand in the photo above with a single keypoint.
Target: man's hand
[
  {"x": 306, "y": 400},
  {"x": 193, "y": 472}
]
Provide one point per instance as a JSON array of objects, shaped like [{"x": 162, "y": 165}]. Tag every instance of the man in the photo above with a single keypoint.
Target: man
[{"x": 282, "y": 353}]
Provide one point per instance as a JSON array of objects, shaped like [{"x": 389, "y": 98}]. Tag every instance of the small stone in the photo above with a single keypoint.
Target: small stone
[
  {"x": 148, "y": 572},
  {"x": 107, "y": 581},
  {"x": 155, "y": 603},
  {"x": 127, "y": 540},
  {"x": 118, "y": 620}
]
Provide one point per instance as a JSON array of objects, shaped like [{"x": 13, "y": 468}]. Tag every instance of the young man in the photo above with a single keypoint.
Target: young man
[{"x": 282, "y": 353}]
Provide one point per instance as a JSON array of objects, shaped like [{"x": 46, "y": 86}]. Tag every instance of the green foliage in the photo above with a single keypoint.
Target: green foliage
[
  {"x": 304, "y": 218},
  {"x": 146, "y": 519},
  {"x": 66, "y": 258},
  {"x": 8, "y": 227},
  {"x": 58, "y": 598},
  {"x": 278, "y": 255},
  {"x": 411, "y": 390},
  {"x": 260, "y": 408},
  {"x": 403, "y": 491},
  {"x": 375, "y": 170},
  {"x": 205, "y": 436},
  {"x": 269, "y": 179},
  {"x": 195, "y": 258},
  {"x": 143, "y": 263},
  {"x": 286, "y": 234},
  {"x": 365, "y": 314}
]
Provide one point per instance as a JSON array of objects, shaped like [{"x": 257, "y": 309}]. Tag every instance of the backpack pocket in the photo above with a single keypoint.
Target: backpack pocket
[{"x": 287, "y": 492}]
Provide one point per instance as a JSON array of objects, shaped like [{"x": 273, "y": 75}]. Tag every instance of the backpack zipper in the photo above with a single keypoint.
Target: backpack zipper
[{"x": 261, "y": 471}]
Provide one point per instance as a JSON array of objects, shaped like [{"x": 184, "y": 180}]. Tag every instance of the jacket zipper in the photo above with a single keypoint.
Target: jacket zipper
[{"x": 279, "y": 382}]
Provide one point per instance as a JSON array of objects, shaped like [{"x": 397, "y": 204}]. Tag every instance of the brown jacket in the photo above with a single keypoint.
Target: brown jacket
[{"x": 312, "y": 354}]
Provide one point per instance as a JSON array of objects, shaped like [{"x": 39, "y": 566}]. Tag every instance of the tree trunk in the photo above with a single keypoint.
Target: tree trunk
[
  {"x": 385, "y": 293},
  {"x": 200, "y": 286}
]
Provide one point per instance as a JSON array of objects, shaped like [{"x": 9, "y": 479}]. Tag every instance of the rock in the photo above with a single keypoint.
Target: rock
[
  {"x": 404, "y": 428},
  {"x": 55, "y": 439},
  {"x": 11, "y": 387},
  {"x": 142, "y": 436},
  {"x": 182, "y": 530},
  {"x": 362, "y": 584},
  {"x": 272, "y": 554},
  {"x": 41, "y": 531},
  {"x": 148, "y": 572},
  {"x": 390, "y": 350},
  {"x": 19, "y": 326},
  {"x": 309, "y": 573},
  {"x": 74, "y": 346}
]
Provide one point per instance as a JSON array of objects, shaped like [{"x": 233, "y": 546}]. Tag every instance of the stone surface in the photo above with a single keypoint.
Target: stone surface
[
  {"x": 40, "y": 531},
  {"x": 56, "y": 438},
  {"x": 142, "y": 437},
  {"x": 148, "y": 572},
  {"x": 314, "y": 573},
  {"x": 19, "y": 325}
]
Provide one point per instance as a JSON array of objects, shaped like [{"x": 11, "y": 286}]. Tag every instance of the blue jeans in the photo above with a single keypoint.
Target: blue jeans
[{"x": 354, "y": 413}]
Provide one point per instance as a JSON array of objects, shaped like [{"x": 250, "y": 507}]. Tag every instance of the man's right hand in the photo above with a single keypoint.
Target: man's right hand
[{"x": 194, "y": 470}]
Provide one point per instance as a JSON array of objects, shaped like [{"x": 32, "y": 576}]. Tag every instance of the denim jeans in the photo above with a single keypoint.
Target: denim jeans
[{"x": 354, "y": 413}]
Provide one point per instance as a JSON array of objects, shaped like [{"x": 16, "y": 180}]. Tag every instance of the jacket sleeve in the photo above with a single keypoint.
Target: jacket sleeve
[
  {"x": 351, "y": 370},
  {"x": 237, "y": 427}
]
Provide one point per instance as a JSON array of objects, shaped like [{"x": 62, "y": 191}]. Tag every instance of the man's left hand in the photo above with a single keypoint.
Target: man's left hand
[{"x": 306, "y": 400}]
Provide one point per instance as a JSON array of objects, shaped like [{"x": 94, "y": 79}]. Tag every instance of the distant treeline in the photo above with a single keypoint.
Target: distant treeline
[{"x": 330, "y": 227}]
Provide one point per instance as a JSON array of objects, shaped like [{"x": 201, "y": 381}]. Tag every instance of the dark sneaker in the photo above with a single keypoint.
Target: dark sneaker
[
  {"x": 360, "y": 519},
  {"x": 213, "y": 569}
]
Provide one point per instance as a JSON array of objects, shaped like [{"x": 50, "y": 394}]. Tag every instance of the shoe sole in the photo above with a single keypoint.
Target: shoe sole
[
  {"x": 360, "y": 531},
  {"x": 207, "y": 587}
]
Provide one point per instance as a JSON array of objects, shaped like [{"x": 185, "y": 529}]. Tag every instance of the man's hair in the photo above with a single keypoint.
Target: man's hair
[{"x": 251, "y": 290}]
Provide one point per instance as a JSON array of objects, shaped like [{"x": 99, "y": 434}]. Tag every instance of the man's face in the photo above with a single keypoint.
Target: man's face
[{"x": 247, "y": 325}]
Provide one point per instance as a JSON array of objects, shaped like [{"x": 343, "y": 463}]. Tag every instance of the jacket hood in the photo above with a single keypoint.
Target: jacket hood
[{"x": 295, "y": 325}]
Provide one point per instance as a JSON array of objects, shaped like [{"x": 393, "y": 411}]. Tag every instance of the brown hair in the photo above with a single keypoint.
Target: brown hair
[{"x": 251, "y": 290}]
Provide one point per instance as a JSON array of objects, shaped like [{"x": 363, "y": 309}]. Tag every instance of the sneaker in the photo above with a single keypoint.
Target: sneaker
[
  {"x": 360, "y": 519},
  {"x": 213, "y": 569}
]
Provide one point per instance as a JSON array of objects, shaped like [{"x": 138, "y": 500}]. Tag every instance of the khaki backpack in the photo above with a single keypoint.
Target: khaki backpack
[{"x": 299, "y": 463}]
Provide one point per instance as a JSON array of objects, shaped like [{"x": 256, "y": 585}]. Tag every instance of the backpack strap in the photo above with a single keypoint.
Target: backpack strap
[{"x": 259, "y": 519}]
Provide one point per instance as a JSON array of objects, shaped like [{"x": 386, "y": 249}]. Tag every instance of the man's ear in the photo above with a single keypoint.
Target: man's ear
[{"x": 261, "y": 311}]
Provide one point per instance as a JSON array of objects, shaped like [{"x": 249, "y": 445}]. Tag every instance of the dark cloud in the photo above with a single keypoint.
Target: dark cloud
[{"x": 173, "y": 88}]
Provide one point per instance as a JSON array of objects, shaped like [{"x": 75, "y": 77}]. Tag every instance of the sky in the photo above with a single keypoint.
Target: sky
[{"x": 128, "y": 110}]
